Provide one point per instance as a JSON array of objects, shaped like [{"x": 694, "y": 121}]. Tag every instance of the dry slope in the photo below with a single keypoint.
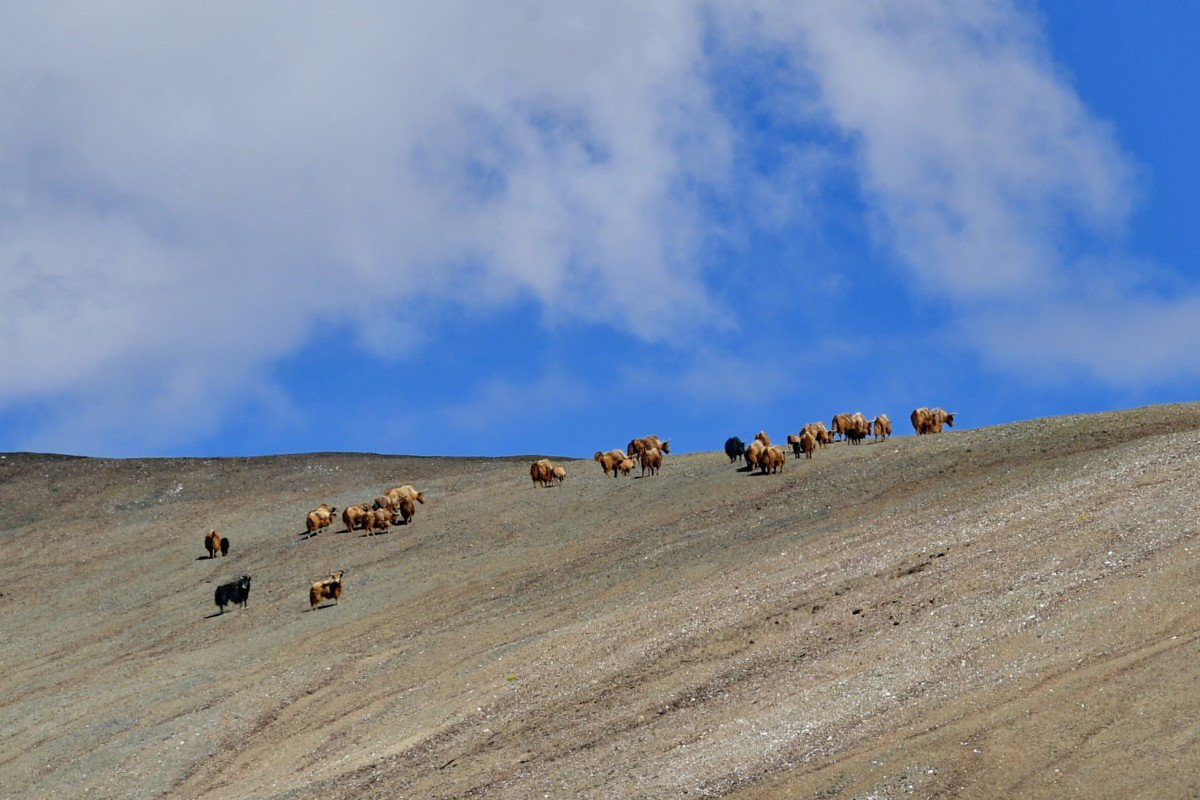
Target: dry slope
[{"x": 1000, "y": 612}]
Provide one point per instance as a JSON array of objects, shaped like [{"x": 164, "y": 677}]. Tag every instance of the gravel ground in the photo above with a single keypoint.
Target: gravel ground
[{"x": 1000, "y": 612}]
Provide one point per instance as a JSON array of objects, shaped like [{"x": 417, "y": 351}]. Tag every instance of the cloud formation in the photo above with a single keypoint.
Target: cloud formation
[{"x": 189, "y": 192}]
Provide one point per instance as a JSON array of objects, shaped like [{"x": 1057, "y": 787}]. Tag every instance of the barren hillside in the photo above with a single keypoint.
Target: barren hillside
[{"x": 1001, "y": 612}]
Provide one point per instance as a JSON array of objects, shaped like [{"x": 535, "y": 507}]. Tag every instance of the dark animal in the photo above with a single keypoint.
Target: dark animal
[
  {"x": 735, "y": 449},
  {"x": 794, "y": 441},
  {"x": 237, "y": 592}
]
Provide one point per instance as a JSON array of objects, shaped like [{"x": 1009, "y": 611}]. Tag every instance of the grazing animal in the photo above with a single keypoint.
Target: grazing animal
[
  {"x": 328, "y": 589},
  {"x": 857, "y": 429},
  {"x": 753, "y": 452},
  {"x": 542, "y": 471},
  {"x": 762, "y": 436},
  {"x": 214, "y": 542},
  {"x": 819, "y": 432},
  {"x": 378, "y": 520},
  {"x": 808, "y": 444},
  {"x": 734, "y": 448},
  {"x": 772, "y": 459},
  {"x": 407, "y": 490},
  {"x": 883, "y": 427},
  {"x": 638, "y": 446},
  {"x": 318, "y": 518},
  {"x": 353, "y": 515},
  {"x": 839, "y": 425},
  {"x": 651, "y": 460},
  {"x": 609, "y": 461},
  {"x": 407, "y": 510},
  {"x": 926, "y": 420},
  {"x": 626, "y": 466},
  {"x": 560, "y": 474},
  {"x": 236, "y": 592},
  {"x": 794, "y": 441},
  {"x": 385, "y": 501}
]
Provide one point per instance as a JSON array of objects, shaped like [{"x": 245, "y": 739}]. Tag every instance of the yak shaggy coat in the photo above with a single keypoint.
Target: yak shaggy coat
[{"x": 328, "y": 589}]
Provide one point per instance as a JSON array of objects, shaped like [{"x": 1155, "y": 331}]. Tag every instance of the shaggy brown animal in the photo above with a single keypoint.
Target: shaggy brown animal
[
  {"x": 882, "y": 427},
  {"x": 925, "y": 420},
  {"x": 407, "y": 510},
  {"x": 407, "y": 490},
  {"x": 639, "y": 446},
  {"x": 385, "y": 501},
  {"x": 378, "y": 520},
  {"x": 318, "y": 518},
  {"x": 772, "y": 459},
  {"x": 609, "y": 461},
  {"x": 651, "y": 460},
  {"x": 542, "y": 471},
  {"x": 560, "y": 474},
  {"x": 328, "y": 589},
  {"x": 352, "y": 516},
  {"x": 762, "y": 436},
  {"x": 808, "y": 444},
  {"x": 214, "y": 542},
  {"x": 840, "y": 424},
  {"x": 626, "y": 466},
  {"x": 754, "y": 451},
  {"x": 819, "y": 432},
  {"x": 857, "y": 429}
]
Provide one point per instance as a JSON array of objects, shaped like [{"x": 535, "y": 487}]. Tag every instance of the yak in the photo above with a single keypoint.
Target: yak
[{"x": 236, "y": 592}]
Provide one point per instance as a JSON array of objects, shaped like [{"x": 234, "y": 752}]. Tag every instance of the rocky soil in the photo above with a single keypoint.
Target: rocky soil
[{"x": 1000, "y": 612}]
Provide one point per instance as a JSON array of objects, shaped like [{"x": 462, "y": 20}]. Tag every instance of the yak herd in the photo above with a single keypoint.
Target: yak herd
[{"x": 398, "y": 505}]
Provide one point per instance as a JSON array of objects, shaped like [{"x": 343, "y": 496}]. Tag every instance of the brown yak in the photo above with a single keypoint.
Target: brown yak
[
  {"x": 328, "y": 589},
  {"x": 352, "y": 516},
  {"x": 754, "y": 451},
  {"x": 542, "y": 471},
  {"x": 378, "y": 520},
  {"x": 408, "y": 491},
  {"x": 883, "y": 427},
  {"x": 926, "y": 420},
  {"x": 819, "y": 432},
  {"x": 808, "y": 443},
  {"x": 651, "y": 460},
  {"x": 560, "y": 474},
  {"x": 637, "y": 446},
  {"x": 609, "y": 461},
  {"x": 318, "y": 518},
  {"x": 214, "y": 542},
  {"x": 407, "y": 510},
  {"x": 857, "y": 429},
  {"x": 626, "y": 466},
  {"x": 772, "y": 459}
]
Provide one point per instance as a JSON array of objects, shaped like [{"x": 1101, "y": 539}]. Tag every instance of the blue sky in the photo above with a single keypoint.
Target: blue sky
[{"x": 228, "y": 230}]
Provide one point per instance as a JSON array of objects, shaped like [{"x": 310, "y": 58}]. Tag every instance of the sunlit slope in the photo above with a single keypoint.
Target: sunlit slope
[{"x": 996, "y": 612}]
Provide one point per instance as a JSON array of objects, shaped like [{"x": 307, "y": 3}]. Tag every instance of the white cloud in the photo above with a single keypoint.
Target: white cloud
[
  {"x": 190, "y": 191},
  {"x": 974, "y": 150},
  {"x": 185, "y": 185}
]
